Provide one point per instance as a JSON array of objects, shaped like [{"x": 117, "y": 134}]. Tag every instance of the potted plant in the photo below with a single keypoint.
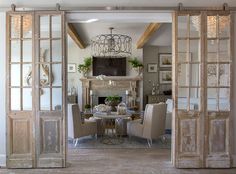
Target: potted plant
[
  {"x": 112, "y": 101},
  {"x": 136, "y": 65},
  {"x": 87, "y": 108},
  {"x": 85, "y": 67}
]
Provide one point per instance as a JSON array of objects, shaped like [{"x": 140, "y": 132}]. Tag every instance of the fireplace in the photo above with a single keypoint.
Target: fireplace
[
  {"x": 101, "y": 89},
  {"x": 101, "y": 100}
]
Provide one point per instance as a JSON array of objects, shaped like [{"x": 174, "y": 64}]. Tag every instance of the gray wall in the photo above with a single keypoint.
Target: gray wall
[{"x": 151, "y": 55}]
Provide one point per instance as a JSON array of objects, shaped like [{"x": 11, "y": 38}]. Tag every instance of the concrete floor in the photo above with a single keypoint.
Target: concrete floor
[{"x": 119, "y": 161}]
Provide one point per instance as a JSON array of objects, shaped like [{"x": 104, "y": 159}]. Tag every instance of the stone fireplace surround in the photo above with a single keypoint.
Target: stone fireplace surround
[{"x": 101, "y": 88}]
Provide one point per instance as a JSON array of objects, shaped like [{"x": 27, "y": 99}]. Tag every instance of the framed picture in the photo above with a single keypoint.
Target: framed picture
[
  {"x": 152, "y": 67},
  {"x": 71, "y": 67},
  {"x": 165, "y": 60},
  {"x": 165, "y": 77}
]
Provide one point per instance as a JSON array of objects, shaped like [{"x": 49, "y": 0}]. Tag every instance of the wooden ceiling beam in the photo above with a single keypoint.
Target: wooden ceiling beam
[
  {"x": 74, "y": 35},
  {"x": 150, "y": 30}
]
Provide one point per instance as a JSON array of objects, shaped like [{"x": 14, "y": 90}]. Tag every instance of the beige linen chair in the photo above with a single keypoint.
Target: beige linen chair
[
  {"x": 76, "y": 128},
  {"x": 153, "y": 124}
]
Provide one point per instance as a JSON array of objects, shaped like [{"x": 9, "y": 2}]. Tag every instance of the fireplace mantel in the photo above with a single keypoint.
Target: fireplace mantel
[{"x": 121, "y": 83}]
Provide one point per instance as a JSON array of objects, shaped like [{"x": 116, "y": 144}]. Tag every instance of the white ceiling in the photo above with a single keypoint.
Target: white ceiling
[
  {"x": 162, "y": 37},
  {"x": 93, "y": 3}
]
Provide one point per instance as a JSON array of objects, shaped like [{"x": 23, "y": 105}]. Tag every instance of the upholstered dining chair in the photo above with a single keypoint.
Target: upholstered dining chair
[
  {"x": 76, "y": 128},
  {"x": 153, "y": 125}
]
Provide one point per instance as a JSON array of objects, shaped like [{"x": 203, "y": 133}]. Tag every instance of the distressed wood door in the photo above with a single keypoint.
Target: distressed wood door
[
  {"x": 36, "y": 89},
  {"x": 50, "y": 89},
  {"x": 202, "y": 82},
  {"x": 20, "y": 91},
  {"x": 218, "y": 84}
]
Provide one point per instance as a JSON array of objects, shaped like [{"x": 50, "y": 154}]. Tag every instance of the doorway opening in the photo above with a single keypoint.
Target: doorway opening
[{"x": 151, "y": 35}]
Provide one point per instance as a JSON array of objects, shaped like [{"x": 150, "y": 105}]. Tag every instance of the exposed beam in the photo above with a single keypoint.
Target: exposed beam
[
  {"x": 74, "y": 35},
  {"x": 150, "y": 30}
]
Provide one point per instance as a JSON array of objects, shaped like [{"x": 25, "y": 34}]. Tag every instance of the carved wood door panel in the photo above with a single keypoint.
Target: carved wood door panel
[
  {"x": 36, "y": 90},
  {"x": 202, "y": 78}
]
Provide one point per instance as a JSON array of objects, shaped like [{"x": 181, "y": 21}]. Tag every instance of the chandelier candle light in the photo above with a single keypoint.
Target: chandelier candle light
[{"x": 111, "y": 45}]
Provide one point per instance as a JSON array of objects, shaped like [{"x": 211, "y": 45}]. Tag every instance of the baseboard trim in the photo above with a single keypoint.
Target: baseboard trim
[{"x": 2, "y": 160}]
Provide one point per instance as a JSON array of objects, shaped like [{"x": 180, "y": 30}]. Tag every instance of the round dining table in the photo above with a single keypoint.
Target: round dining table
[{"x": 110, "y": 135}]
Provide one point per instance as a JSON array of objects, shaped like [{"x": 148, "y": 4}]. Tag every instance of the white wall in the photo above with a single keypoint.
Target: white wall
[{"x": 2, "y": 89}]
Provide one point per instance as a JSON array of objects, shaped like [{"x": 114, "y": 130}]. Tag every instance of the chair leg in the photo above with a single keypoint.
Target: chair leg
[
  {"x": 76, "y": 142},
  {"x": 149, "y": 141}
]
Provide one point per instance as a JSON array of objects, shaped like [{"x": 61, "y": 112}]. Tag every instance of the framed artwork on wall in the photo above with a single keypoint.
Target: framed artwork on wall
[
  {"x": 71, "y": 68},
  {"x": 152, "y": 67},
  {"x": 165, "y": 77},
  {"x": 165, "y": 60}
]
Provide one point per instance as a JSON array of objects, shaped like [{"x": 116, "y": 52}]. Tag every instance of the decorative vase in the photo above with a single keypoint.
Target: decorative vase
[
  {"x": 85, "y": 74},
  {"x": 121, "y": 109},
  {"x": 112, "y": 104},
  {"x": 138, "y": 70}
]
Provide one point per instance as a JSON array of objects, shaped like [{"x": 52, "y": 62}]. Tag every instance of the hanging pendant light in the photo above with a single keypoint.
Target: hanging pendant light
[{"x": 111, "y": 45}]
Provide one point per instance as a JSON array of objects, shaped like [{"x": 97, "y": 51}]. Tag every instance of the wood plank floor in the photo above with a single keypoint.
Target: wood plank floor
[{"x": 119, "y": 161}]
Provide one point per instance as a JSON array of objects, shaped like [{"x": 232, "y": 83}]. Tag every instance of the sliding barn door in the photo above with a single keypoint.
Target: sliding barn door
[
  {"x": 20, "y": 91},
  {"x": 202, "y": 83},
  {"x": 36, "y": 89},
  {"x": 50, "y": 89}
]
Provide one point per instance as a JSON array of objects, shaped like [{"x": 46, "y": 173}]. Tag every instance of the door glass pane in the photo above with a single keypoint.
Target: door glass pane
[
  {"x": 56, "y": 71},
  {"x": 182, "y": 98},
  {"x": 195, "y": 26},
  {"x": 56, "y": 51},
  {"x": 15, "y": 98},
  {"x": 211, "y": 26},
  {"x": 224, "y": 75},
  {"x": 44, "y": 26},
  {"x": 27, "y": 26},
  {"x": 212, "y": 57},
  {"x": 45, "y": 99},
  {"x": 194, "y": 99},
  {"x": 15, "y": 75},
  {"x": 224, "y": 54},
  {"x": 27, "y": 75},
  {"x": 15, "y": 26},
  {"x": 182, "y": 51},
  {"x": 194, "y": 51},
  {"x": 212, "y": 75},
  {"x": 15, "y": 51},
  {"x": 44, "y": 51},
  {"x": 224, "y": 100},
  {"x": 212, "y": 99},
  {"x": 27, "y": 99},
  {"x": 27, "y": 51},
  {"x": 194, "y": 74},
  {"x": 182, "y": 26},
  {"x": 224, "y": 26},
  {"x": 56, "y": 26},
  {"x": 56, "y": 98},
  {"x": 45, "y": 75},
  {"x": 212, "y": 48},
  {"x": 183, "y": 72}
]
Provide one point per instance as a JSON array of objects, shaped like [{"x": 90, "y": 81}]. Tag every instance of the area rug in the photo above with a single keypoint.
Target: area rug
[{"x": 90, "y": 142}]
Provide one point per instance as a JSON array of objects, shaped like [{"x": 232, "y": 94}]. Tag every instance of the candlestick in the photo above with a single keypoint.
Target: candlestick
[{"x": 127, "y": 92}]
